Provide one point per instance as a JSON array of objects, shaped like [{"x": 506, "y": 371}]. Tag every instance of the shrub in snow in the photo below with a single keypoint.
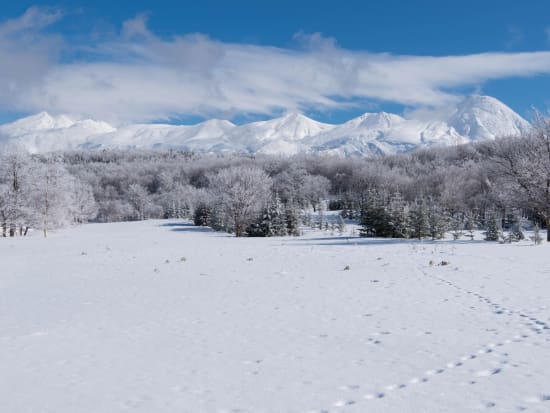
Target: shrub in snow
[
  {"x": 341, "y": 225},
  {"x": 536, "y": 238}
]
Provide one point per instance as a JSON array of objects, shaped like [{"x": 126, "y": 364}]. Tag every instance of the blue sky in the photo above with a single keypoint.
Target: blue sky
[{"x": 128, "y": 61}]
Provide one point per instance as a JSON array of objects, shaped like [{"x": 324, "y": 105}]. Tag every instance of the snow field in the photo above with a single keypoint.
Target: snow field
[{"x": 161, "y": 316}]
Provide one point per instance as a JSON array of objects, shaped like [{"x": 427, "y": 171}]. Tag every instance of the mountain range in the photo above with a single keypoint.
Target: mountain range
[{"x": 476, "y": 118}]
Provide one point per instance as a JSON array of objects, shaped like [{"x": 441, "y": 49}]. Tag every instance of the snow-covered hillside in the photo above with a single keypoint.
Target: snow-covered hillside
[
  {"x": 475, "y": 118},
  {"x": 162, "y": 316}
]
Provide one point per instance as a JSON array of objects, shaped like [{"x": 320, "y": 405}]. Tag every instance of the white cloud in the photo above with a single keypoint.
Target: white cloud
[
  {"x": 26, "y": 54},
  {"x": 138, "y": 76}
]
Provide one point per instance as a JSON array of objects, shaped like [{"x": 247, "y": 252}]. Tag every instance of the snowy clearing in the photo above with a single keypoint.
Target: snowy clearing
[{"x": 162, "y": 316}]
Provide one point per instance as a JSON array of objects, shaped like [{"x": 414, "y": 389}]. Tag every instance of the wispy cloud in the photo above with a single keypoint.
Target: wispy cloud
[
  {"x": 138, "y": 76},
  {"x": 27, "y": 54},
  {"x": 515, "y": 37}
]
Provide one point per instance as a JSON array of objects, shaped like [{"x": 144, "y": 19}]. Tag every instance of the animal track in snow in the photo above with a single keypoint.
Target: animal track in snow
[{"x": 535, "y": 324}]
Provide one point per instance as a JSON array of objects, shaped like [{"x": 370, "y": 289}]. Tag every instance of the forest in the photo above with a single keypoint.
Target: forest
[{"x": 499, "y": 186}]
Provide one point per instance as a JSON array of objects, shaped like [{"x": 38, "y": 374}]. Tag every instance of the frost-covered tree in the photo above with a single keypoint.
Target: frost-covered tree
[
  {"x": 240, "y": 192},
  {"x": 314, "y": 189},
  {"x": 470, "y": 224},
  {"x": 523, "y": 165},
  {"x": 83, "y": 202},
  {"x": 536, "y": 238},
  {"x": 4, "y": 208},
  {"x": 51, "y": 202},
  {"x": 15, "y": 173},
  {"x": 139, "y": 199},
  {"x": 341, "y": 225},
  {"x": 275, "y": 226}
]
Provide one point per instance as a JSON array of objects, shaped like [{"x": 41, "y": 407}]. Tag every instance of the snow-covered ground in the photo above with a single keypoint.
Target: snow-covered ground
[{"x": 161, "y": 316}]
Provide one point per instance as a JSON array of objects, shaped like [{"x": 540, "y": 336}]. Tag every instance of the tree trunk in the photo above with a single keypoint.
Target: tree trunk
[{"x": 548, "y": 229}]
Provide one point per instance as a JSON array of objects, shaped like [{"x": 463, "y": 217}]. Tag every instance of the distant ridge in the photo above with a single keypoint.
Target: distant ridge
[{"x": 476, "y": 118}]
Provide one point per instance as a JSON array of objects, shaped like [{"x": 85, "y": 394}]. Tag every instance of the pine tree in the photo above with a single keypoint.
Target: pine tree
[
  {"x": 374, "y": 220},
  {"x": 398, "y": 214},
  {"x": 419, "y": 220},
  {"x": 291, "y": 219},
  {"x": 277, "y": 217},
  {"x": 492, "y": 232},
  {"x": 202, "y": 215},
  {"x": 437, "y": 220},
  {"x": 261, "y": 227}
]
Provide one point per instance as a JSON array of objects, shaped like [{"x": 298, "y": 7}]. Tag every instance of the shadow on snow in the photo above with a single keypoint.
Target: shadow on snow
[
  {"x": 353, "y": 241},
  {"x": 185, "y": 227}
]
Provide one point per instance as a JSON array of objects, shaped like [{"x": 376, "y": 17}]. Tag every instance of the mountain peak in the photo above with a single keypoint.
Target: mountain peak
[
  {"x": 477, "y": 117},
  {"x": 484, "y": 117}
]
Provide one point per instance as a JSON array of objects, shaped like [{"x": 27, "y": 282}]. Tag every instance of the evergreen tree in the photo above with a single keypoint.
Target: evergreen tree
[
  {"x": 202, "y": 215},
  {"x": 437, "y": 220},
  {"x": 419, "y": 220},
  {"x": 291, "y": 219},
  {"x": 277, "y": 218},
  {"x": 398, "y": 215},
  {"x": 374, "y": 220},
  {"x": 492, "y": 232}
]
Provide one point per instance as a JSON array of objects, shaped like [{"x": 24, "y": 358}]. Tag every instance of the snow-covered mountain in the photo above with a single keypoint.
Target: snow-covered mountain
[
  {"x": 484, "y": 117},
  {"x": 473, "y": 119}
]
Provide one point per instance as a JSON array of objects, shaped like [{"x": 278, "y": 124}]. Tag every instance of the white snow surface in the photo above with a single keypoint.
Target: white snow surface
[
  {"x": 475, "y": 118},
  {"x": 162, "y": 316}
]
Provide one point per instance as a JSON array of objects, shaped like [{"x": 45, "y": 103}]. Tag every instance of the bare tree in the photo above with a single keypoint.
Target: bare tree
[
  {"x": 240, "y": 192},
  {"x": 15, "y": 173},
  {"x": 51, "y": 201},
  {"x": 314, "y": 189},
  {"x": 84, "y": 204},
  {"x": 523, "y": 166}
]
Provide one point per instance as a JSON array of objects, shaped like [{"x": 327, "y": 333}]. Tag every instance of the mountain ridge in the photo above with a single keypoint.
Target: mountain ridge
[{"x": 475, "y": 118}]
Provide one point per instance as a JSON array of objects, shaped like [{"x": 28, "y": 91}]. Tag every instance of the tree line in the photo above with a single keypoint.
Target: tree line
[{"x": 419, "y": 194}]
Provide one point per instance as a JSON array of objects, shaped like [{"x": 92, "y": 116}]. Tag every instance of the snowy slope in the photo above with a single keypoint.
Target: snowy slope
[
  {"x": 43, "y": 133},
  {"x": 280, "y": 135},
  {"x": 475, "y": 118},
  {"x": 161, "y": 316},
  {"x": 206, "y": 135},
  {"x": 484, "y": 117}
]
